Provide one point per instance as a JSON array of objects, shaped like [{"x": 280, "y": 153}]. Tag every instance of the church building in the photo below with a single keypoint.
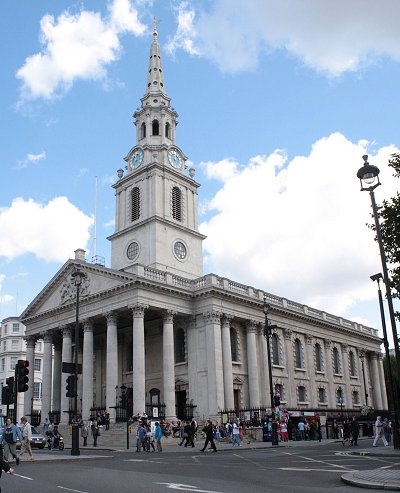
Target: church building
[{"x": 155, "y": 328}]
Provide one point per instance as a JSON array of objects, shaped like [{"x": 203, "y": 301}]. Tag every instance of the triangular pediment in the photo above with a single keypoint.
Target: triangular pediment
[{"x": 61, "y": 291}]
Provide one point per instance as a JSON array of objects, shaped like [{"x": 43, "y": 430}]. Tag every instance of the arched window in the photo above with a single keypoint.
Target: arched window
[
  {"x": 176, "y": 204},
  {"x": 336, "y": 360},
  {"x": 135, "y": 204},
  {"x": 352, "y": 361},
  {"x": 167, "y": 130},
  {"x": 234, "y": 345},
  {"x": 155, "y": 397},
  {"x": 143, "y": 131},
  {"x": 275, "y": 349},
  {"x": 156, "y": 127},
  {"x": 180, "y": 346},
  {"x": 318, "y": 357},
  {"x": 356, "y": 397},
  {"x": 297, "y": 353},
  {"x": 301, "y": 393},
  {"x": 321, "y": 395}
]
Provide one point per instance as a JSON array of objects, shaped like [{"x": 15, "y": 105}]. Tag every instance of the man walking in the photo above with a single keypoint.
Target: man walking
[
  {"x": 354, "y": 431},
  {"x": 11, "y": 434},
  {"x": 236, "y": 434},
  {"x": 158, "y": 436},
  {"x": 26, "y": 437},
  {"x": 379, "y": 432},
  {"x": 208, "y": 430}
]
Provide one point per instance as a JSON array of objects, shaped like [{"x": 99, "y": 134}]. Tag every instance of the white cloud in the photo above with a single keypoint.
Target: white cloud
[
  {"x": 31, "y": 158},
  {"x": 332, "y": 37},
  {"x": 51, "y": 232},
  {"x": 76, "y": 46},
  {"x": 222, "y": 170},
  {"x": 298, "y": 228}
]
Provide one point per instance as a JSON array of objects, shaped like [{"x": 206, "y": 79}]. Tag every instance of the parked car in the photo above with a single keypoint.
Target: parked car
[{"x": 38, "y": 439}]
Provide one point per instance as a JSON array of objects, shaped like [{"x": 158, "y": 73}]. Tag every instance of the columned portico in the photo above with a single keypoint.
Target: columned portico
[
  {"x": 139, "y": 364},
  {"x": 169, "y": 364},
  {"x": 87, "y": 369},
  {"x": 215, "y": 379},
  {"x": 47, "y": 374},
  {"x": 227, "y": 361},
  {"x": 30, "y": 357},
  {"x": 112, "y": 363},
  {"x": 66, "y": 358},
  {"x": 252, "y": 364}
]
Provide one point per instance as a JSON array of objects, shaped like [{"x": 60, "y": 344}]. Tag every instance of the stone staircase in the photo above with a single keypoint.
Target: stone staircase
[{"x": 115, "y": 437}]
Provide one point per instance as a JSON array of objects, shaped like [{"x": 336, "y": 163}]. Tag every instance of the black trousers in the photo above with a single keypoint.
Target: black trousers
[{"x": 210, "y": 440}]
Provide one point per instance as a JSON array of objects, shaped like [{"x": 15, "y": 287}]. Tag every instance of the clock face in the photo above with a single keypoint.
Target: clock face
[
  {"x": 175, "y": 159},
  {"x": 136, "y": 159}
]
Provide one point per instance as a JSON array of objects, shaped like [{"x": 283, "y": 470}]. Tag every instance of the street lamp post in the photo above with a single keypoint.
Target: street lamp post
[
  {"x": 340, "y": 400},
  {"x": 392, "y": 393},
  {"x": 369, "y": 180},
  {"x": 77, "y": 277},
  {"x": 268, "y": 333}
]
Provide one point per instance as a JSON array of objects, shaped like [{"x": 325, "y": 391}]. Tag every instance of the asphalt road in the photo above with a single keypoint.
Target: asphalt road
[{"x": 302, "y": 469}]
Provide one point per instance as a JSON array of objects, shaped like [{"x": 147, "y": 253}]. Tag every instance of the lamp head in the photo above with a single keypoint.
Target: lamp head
[
  {"x": 77, "y": 277},
  {"x": 266, "y": 306},
  {"x": 376, "y": 277},
  {"x": 368, "y": 175}
]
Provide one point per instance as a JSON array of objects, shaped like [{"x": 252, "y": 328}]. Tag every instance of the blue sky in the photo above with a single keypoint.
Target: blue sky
[{"x": 277, "y": 102}]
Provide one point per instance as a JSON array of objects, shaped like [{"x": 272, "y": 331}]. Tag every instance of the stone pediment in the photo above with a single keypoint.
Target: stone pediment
[{"x": 61, "y": 290}]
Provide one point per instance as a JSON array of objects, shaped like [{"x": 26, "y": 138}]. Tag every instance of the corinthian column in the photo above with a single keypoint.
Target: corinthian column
[
  {"x": 311, "y": 370},
  {"x": 382, "y": 382},
  {"x": 376, "y": 388},
  {"x": 292, "y": 396},
  {"x": 47, "y": 376},
  {"x": 345, "y": 357},
  {"x": 112, "y": 363},
  {"x": 139, "y": 363},
  {"x": 57, "y": 374},
  {"x": 252, "y": 367},
  {"x": 227, "y": 361},
  {"x": 66, "y": 358},
  {"x": 215, "y": 379},
  {"x": 169, "y": 364},
  {"x": 30, "y": 357},
  {"x": 329, "y": 373},
  {"x": 87, "y": 369}
]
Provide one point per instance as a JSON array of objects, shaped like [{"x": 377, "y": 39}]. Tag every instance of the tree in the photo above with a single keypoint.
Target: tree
[{"x": 389, "y": 212}]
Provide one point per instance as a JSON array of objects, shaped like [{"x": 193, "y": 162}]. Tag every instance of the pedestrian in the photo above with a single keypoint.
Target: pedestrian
[
  {"x": 95, "y": 432},
  {"x": 379, "y": 432},
  {"x": 301, "y": 427},
  {"x": 191, "y": 433},
  {"x": 236, "y": 434},
  {"x": 107, "y": 420},
  {"x": 208, "y": 430},
  {"x": 158, "y": 435},
  {"x": 346, "y": 432},
  {"x": 354, "y": 431},
  {"x": 141, "y": 438},
  {"x": 5, "y": 466},
  {"x": 46, "y": 425},
  {"x": 11, "y": 433},
  {"x": 185, "y": 433},
  {"x": 319, "y": 430},
  {"x": 387, "y": 430},
  {"x": 26, "y": 432},
  {"x": 84, "y": 433},
  {"x": 335, "y": 428},
  {"x": 284, "y": 431},
  {"x": 149, "y": 439}
]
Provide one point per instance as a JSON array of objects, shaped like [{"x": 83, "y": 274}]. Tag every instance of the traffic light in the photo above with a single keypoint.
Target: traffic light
[
  {"x": 71, "y": 386},
  {"x": 277, "y": 400},
  {"x": 22, "y": 375},
  {"x": 7, "y": 396}
]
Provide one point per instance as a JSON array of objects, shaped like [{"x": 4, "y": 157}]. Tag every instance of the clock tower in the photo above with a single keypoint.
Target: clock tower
[{"x": 156, "y": 198}]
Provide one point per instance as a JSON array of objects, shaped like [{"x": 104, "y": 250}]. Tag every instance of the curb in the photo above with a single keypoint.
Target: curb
[{"x": 356, "y": 479}]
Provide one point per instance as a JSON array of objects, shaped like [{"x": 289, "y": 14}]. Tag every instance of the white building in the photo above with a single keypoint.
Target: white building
[
  {"x": 156, "y": 325},
  {"x": 12, "y": 349}
]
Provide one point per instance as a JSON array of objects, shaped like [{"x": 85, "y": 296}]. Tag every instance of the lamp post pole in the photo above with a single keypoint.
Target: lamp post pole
[
  {"x": 392, "y": 393},
  {"x": 77, "y": 277},
  {"x": 267, "y": 334},
  {"x": 369, "y": 175}
]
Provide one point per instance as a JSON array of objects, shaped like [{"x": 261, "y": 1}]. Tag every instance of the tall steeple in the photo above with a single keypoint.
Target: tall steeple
[
  {"x": 155, "y": 77},
  {"x": 156, "y": 200}
]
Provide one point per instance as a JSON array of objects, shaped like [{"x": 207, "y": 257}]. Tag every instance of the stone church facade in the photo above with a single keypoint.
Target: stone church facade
[{"x": 154, "y": 325}]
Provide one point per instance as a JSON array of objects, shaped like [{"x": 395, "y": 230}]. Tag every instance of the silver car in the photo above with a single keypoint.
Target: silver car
[{"x": 38, "y": 440}]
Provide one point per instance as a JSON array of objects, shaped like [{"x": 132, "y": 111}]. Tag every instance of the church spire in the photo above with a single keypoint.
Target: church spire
[{"x": 155, "y": 77}]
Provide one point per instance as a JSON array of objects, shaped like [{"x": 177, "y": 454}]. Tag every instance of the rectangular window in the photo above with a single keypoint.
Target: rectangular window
[
  {"x": 13, "y": 362},
  {"x": 39, "y": 347},
  {"x": 5, "y": 330},
  {"x": 37, "y": 387},
  {"x": 4, "y": 346},
  {"x": 15, "y": 344},
  {"x": 321, "y": 395},
  {"x": 3, "y": 364},
  {"x": 15, "y": 327},
  {"x": 37, "y": 364}
]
